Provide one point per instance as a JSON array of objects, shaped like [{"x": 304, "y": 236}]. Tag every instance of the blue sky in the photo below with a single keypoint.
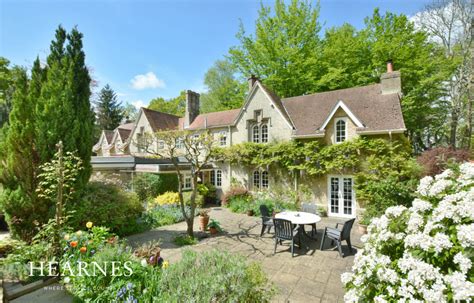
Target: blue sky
[{"x": 144, "y": 48}]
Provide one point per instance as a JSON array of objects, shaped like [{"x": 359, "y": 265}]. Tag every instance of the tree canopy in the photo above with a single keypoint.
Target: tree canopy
[
  {"x": 175, "y": 106},
  {"x": 109, "y": 111}
]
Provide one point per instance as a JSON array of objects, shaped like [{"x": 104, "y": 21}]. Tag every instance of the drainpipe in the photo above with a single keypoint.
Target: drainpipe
[
  {"x": 230, "y": 143},
  {"x": 390, "y": 135}
]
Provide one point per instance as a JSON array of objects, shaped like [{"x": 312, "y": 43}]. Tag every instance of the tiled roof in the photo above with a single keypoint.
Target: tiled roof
[
  {"x": 160, "y": 121},
  {"x": 214, "y": 119},
  {"x": 376, "y": 111},
  {"x": 278, "y": 103},
  {"x": 109, "y": 135},
  {"x": 125, "y": 130}
]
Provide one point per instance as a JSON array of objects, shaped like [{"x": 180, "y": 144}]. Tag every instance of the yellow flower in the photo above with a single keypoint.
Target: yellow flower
[
  {"x": 66, "y": 237},
  {"x": 165, "y": 264},
  {"x": 89, "y": 224}
]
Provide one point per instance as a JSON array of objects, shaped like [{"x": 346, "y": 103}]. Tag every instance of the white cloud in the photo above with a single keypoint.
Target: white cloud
[
  {"x": 148, "y": 80},
  {"x": 138, "y": 104}
]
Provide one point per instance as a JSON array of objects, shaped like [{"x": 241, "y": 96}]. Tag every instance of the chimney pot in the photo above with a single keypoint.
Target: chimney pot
[
  {"x": 389, "y": 66},
  {"x": 252, "y": 81}
]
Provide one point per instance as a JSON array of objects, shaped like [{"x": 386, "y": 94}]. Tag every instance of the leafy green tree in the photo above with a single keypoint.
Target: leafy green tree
[
  {"x": 130, "y": 112},
  {"x": 64, "y": 110},
  {"x": 175, "y": 106},
  {"x": 109, "y": 110},
  {"x": 225, "y": 91},
  {"x": 284, "y": 51}
]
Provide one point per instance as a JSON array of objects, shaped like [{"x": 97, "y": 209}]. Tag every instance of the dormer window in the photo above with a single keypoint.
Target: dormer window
[
  {"x": 340, "y": 131},
  {"x": 255, "y": 134}
]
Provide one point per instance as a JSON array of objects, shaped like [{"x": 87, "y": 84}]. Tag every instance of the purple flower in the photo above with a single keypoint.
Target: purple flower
[{"x": 129, "y": 286}]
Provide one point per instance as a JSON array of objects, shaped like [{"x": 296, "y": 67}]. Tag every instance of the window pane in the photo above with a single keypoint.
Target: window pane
[
  {"x": 347, "y": 196},
  {"x": 255, "y": 134},
  {"x": 256, "y": 179},
  {"x": 264, "y": 133},
  {"x": 223, "y": 138},
  {"x": 334, "y": 195},
  {"x": 218, "y": 178},
  {"x": 213, "y": 177},
  {"x": 264, "y": 179},
  {"x": 340, "y": 131}
]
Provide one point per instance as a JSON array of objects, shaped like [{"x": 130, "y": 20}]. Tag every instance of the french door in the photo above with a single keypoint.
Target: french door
[{"x": 341, "y": 196}]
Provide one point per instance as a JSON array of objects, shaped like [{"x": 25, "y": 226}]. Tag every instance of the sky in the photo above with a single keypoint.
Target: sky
[{"x": 146, "y": 49}]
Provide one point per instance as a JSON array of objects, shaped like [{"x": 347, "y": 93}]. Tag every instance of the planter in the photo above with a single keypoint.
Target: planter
[
  {"x": 250, "y": 212},
  {"x": 213, "y": 230},
  {"x": 203, "y": 221},
  {"x": 362, "y": 228}
]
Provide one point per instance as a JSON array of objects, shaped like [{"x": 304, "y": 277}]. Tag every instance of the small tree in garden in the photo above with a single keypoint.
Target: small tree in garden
[
  {"x": 196, "y": 149},
  {"x": 423, "y": 253},
  {"x": 57, "y": 180}
]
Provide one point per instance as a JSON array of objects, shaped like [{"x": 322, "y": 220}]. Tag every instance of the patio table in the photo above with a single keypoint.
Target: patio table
[{"x": 299, "y": 218}]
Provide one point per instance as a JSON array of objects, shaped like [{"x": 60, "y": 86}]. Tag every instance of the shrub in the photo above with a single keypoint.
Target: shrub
[
  {"x": 109, "y": 206},
  {"x": 182, "y": 240},
  {"x": 421, "y": 253},
  {"x": 165, "y": 215},
  {"x": 435, "y": 160},
  {"x": 214, "y": 277},
  {"x": 233, "y": 193},
  {"x": 168, "y": 198},
  {"x": 148, "y": 185}
]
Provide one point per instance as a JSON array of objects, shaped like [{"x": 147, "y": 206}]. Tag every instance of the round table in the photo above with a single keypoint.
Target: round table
[{"x": 301, "y": 219}]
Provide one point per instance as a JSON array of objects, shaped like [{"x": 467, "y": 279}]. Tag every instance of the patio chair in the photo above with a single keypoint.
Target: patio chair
[
  {"x": 284, "y": 230},
  {"x": 338, "y": 235},
  {"x": 310, "y": 208},
  {"x": 266, "y": 219}
]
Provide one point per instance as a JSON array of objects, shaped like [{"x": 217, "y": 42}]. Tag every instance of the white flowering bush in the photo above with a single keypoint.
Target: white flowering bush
[{"x": 423, "y": 253}]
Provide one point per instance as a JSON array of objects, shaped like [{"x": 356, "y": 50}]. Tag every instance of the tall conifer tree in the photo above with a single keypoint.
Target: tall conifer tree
[{"x": 109, "y": 110}]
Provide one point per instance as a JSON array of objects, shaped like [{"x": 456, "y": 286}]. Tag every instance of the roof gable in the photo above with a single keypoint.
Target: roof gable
[
  {"x": 276, "y": 101},
  {"x": 343, "y": 106}
]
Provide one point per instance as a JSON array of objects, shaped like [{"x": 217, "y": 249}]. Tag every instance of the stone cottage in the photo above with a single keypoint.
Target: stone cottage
[{"x": 330, "y": 117}]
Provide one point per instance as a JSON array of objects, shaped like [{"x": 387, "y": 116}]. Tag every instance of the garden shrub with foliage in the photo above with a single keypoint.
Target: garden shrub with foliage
[
  {"x": 435, "y": 160},
  {"x": 168, "y": 198},
  {"x": 243, "y": 204},
  {"x": 235, "y": 192},
  {"x": 165, "y": 215},
  {"x": 423, "y": 253},
  {"x": 109, "y": 206},
  {"x": 148, "y": 186},
  {"x": 214, "y": 277}
]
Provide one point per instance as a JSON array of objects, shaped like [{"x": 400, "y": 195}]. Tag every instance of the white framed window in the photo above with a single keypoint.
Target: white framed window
[
  {"x": 256, "y": 179},
  {"x": 340, "y": 131},
  {"x": 264, "y": 179},
  {"x": 341, "y": 196},
  {"x": 260, "y": 179},
  {"x": 216, "y": 177},
  {"x": 255, "y": 134},
  {"x": 264, "y": 133},
  {"x": 179, "y": 143},
  {"x": 223, "y": 138},
  {"x": 187, "y": 182},
  {"x": 161, "y": 144}
]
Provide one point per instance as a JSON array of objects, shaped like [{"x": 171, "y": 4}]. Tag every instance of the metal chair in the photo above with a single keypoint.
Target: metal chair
[
  {"x": 266, "y": 219},
  {"x": 310, "y": 208},
  {"x": 284, "y": 230},
  {"x": 338, "y": 235}
]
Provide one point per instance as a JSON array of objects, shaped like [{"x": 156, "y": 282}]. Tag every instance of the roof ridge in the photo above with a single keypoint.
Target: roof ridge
[
  {"x": 158, "y": 112},
  {"x": 332, "y": 91}
]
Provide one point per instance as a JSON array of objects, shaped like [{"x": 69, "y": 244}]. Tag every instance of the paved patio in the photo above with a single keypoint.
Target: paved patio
[{"x": 311, "y": 276}]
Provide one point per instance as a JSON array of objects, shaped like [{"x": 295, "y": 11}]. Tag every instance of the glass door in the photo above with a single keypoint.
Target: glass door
[{"x": 341, "y": 196}]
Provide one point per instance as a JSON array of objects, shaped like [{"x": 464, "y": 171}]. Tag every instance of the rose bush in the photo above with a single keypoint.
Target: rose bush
[{"x": 423, "y": 253}]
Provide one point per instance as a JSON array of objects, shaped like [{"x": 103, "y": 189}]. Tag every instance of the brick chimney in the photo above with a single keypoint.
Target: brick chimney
[
  {"x": 252, "y": 81},
  {"x": 390, "y": 81},
  {"x": 192, "y": 107}
]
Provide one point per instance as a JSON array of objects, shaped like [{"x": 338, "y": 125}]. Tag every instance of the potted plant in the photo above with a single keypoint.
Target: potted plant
[
  {"x": 250, "y": 212},
  {"x": 214, "y": 227},
  {"x": 363, "y": 222},
  {"x": 203, "y": 219}
]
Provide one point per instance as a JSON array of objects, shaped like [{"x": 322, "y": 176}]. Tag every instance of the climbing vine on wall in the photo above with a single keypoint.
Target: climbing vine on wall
[{"x": 386, "y": 173}]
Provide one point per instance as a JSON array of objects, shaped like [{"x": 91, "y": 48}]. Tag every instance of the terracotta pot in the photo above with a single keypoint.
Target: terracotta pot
[
  {"x": 362, "y": 229},
  {"x": 213, "y": 230},
  {"x": 203, "y": 221}
]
